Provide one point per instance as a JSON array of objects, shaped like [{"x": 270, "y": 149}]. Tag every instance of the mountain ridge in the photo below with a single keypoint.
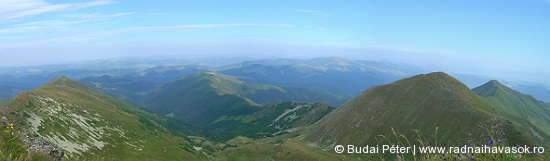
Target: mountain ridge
[
  {"x": 87, "y": 123},
  {"x": 220, "y": 105},
  {"x": 425, "y": 103},
  {"x": 521, "y": 108}
]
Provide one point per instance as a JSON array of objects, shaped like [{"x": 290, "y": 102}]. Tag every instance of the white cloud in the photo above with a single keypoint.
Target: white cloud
[
  {"x": 16, "y": 9},
  {"x": 313, "y": 12}
]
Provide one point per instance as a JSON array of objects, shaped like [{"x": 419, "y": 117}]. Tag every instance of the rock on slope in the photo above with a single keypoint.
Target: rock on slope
[{"x": 90, "y": 125}]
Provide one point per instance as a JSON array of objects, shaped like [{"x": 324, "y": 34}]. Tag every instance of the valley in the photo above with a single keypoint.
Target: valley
[
  {"x": 286, "y": 80},
  {"x": 265, "y": 110}
]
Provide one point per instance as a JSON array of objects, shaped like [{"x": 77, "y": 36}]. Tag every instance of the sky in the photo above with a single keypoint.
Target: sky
[{"x": 496, "y": 38}]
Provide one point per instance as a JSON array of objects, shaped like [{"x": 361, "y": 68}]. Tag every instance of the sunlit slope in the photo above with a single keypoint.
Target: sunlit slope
[
  {"x": 520, "y": 108},
  {"x": 435, "y": 106},
  {"x": 200, "y": 99},
  {"x": 91, "y": 125},
  {"x": 223, "y": 107}
]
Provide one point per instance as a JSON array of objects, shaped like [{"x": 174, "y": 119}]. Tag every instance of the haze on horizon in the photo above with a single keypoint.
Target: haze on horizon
[{"x": 496, "y": 38}]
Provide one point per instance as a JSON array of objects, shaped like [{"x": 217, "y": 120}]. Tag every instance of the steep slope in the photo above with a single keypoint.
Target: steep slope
[
  {"x": 223, "y": 107},
  {"x": 272, "y": 120},
  {"x": 90, "y": 125},
  {"x": 437, "y": 106},
  {"x": 517, "y": 106},
  {"x": 282, "y": 117}
]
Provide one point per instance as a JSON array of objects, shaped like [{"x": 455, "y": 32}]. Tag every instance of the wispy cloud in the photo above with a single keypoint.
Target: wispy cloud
[
  {"x": 313, "y": 12},
  {"x": 35, "y": 26},
  {"x": 108, "y": 33},
  {"x": 16, "y": 9},
  {"x": 48, "y": 25}
]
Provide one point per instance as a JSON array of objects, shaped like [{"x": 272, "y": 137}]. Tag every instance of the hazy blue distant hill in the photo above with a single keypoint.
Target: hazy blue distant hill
[
  {"x": 125, "y": 89},
  {"x": 337, "y": 75},
  {"x": 7, "y": 91},
  {"x": 540, "y": 92},
  {"x": 163, "y": 74},
  {"x": 26, "y": 78}
]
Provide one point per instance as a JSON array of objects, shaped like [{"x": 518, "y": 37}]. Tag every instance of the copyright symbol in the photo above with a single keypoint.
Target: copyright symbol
[{"x": 339, "y": 148}]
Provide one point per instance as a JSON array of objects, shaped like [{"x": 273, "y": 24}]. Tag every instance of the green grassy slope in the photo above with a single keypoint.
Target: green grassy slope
[
  {"x": 519, "y": 108},
  {"x": 436, "y": 104},
  {"x": 91, "y": 125},
  {"x": 221, "y": 106},
  {"x": 281, "y": 148},
  {"x": 199, "y": 99},
  {"x": 277, "y": 118}
]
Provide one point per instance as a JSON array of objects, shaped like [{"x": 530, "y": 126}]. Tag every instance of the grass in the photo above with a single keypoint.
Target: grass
[
  {"x": 421, "y": 102},
  {"x": 422, "y": 141},
  {"x": 519, "y": 108},
  {"x": 291, "y": 147},
  {"x": 147, "y": 137},
  {"x": 88, "y": 123},
  {"x": 13, "y": 149},
  {"x": 425, "y": 103},
  {"x": 282, "y": 147}
]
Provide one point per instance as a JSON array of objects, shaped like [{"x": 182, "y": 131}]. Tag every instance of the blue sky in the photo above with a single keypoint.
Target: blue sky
[{"x": 498, "y": 38}]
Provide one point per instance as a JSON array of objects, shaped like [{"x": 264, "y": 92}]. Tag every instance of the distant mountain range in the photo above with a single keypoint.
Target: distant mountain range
[
  {"x": 347, "y": 77},
  {"x": 282, "y": 109},
  {"x": 335, "y": 75}
]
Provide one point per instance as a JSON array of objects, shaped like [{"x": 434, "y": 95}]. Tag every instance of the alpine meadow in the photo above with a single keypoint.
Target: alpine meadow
[{"x": 274, "y": 80}]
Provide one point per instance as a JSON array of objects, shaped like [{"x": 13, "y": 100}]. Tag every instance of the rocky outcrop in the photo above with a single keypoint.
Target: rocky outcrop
[
  {"x": 42, "y": 146},
  {"x": 38, "y": 145}
]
